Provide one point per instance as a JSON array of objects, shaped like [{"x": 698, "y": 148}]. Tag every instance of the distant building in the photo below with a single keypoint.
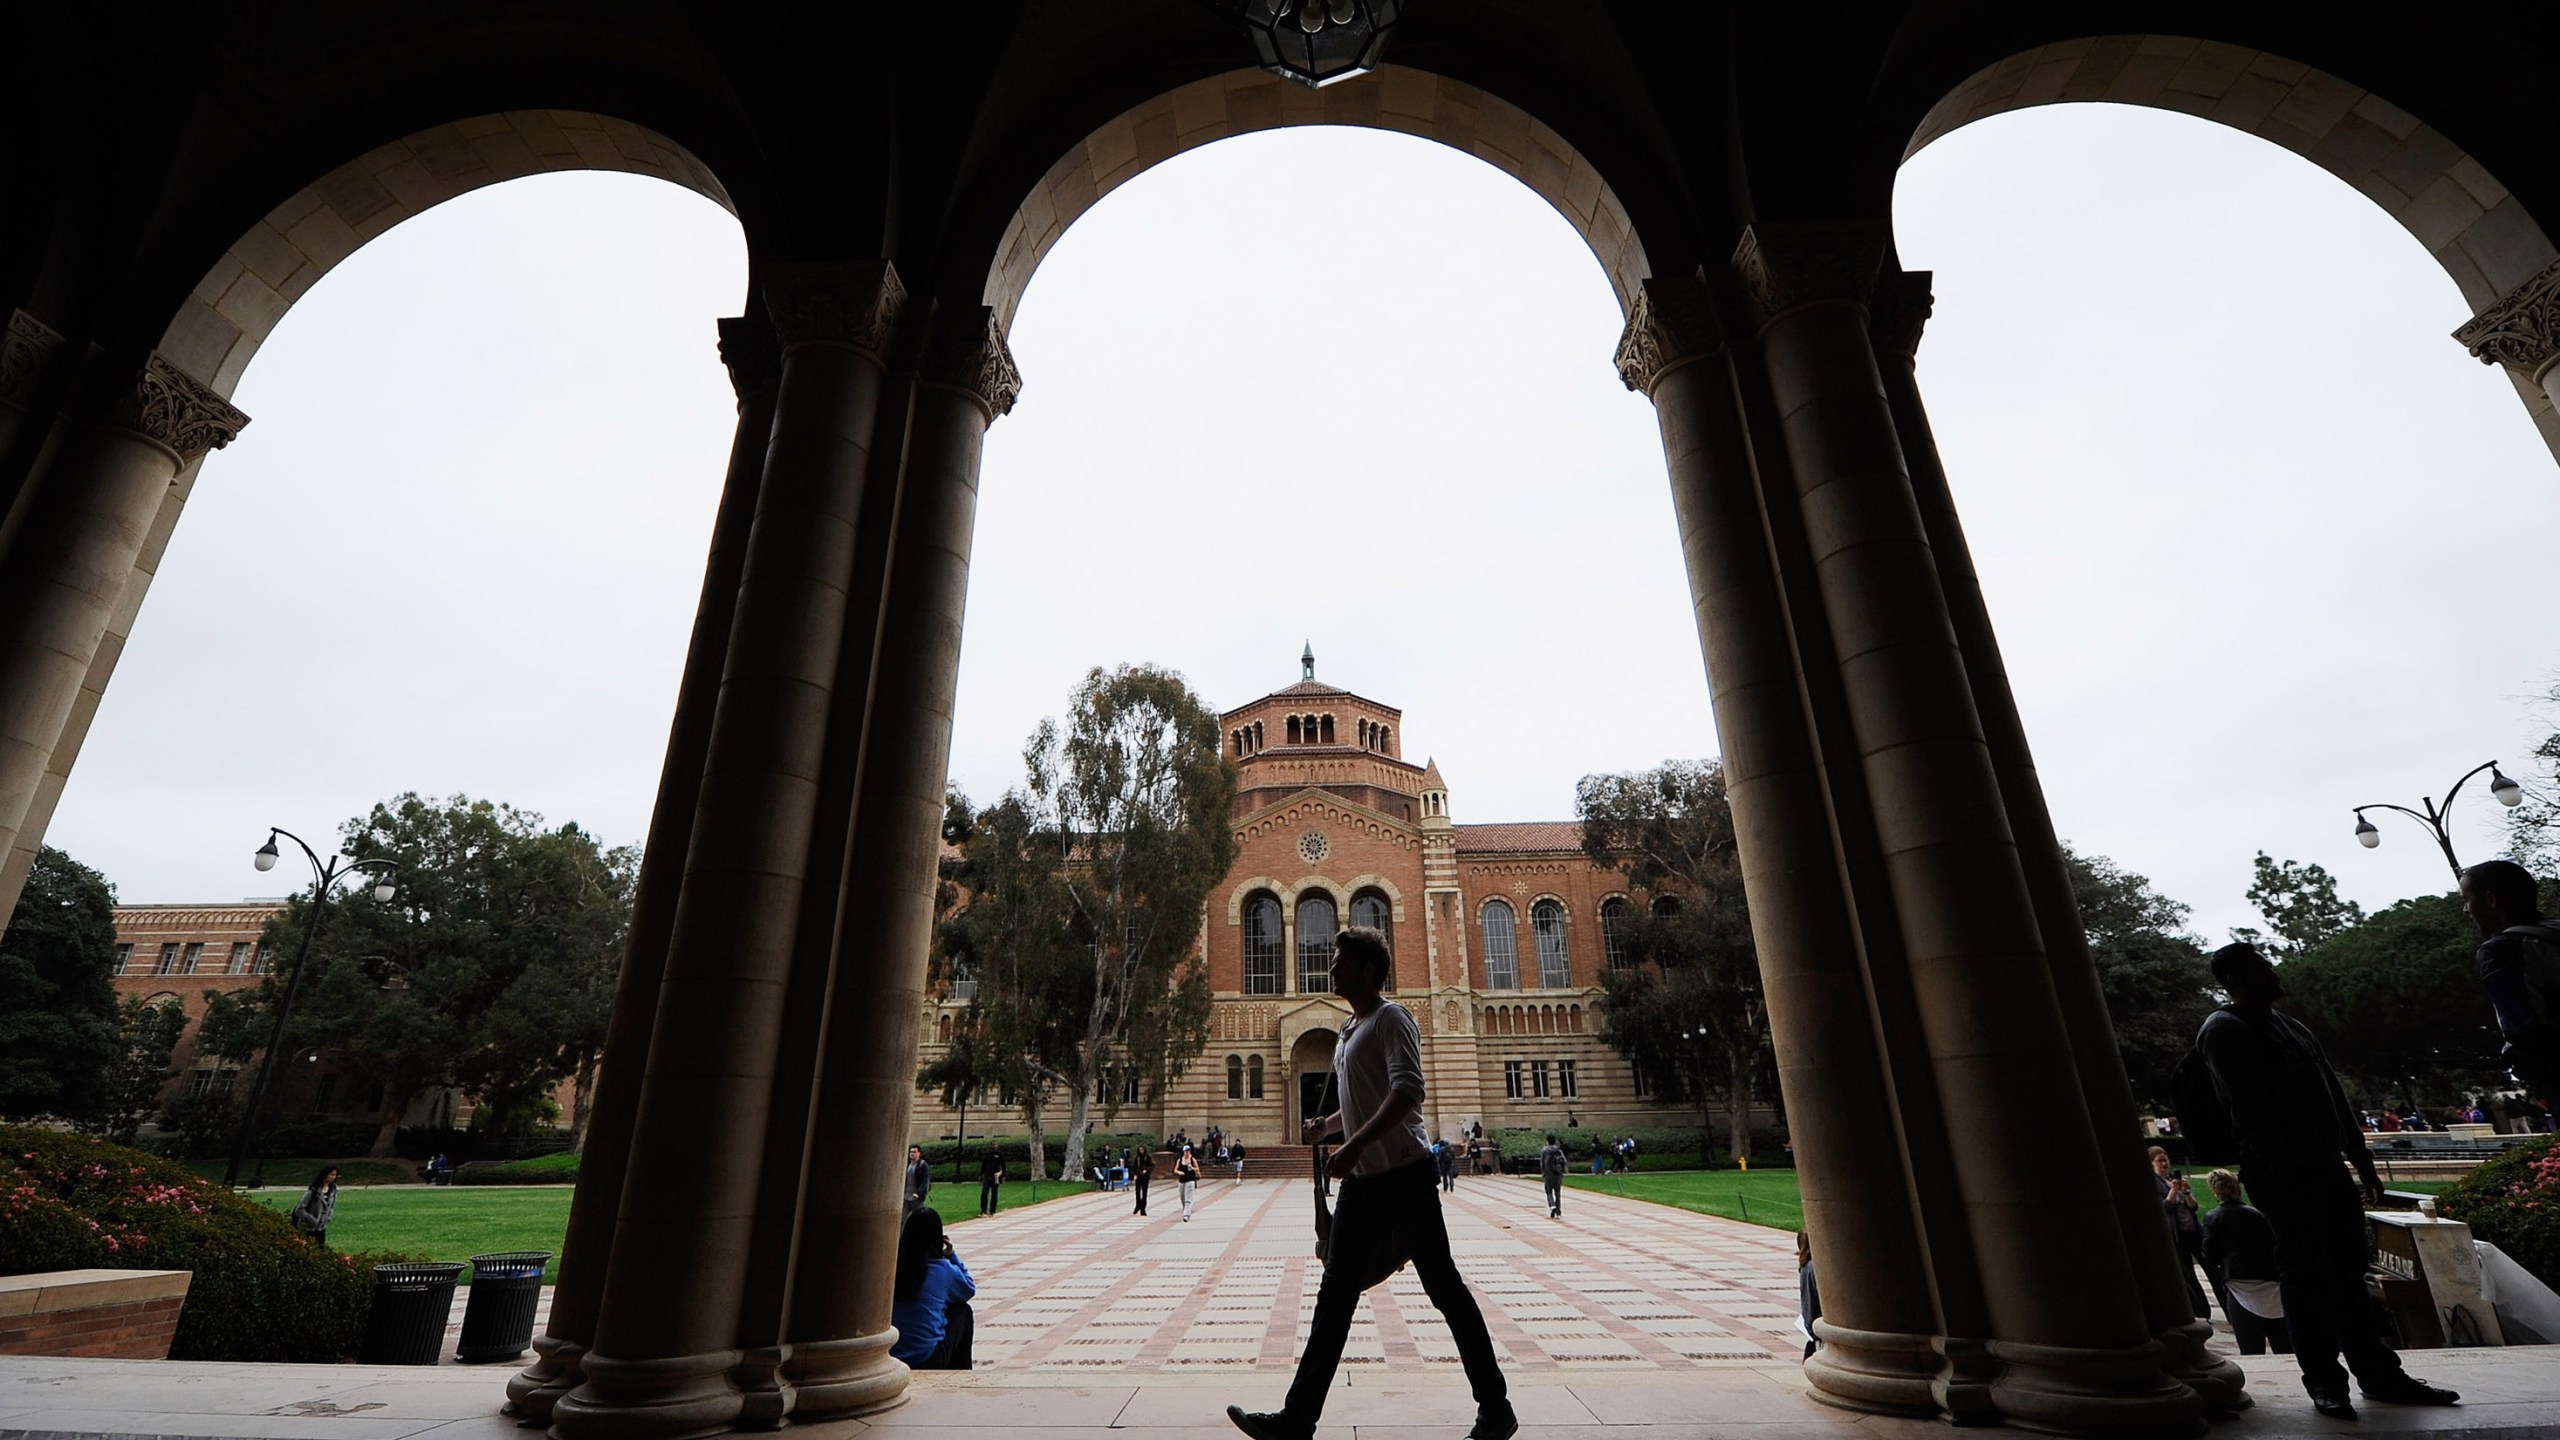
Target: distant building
[
  {"x": 1500, "y": 932},
  {"x": 187, "y": 953}
]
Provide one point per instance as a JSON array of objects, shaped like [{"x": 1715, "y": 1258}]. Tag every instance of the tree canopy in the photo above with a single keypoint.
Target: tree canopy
[
  {"x": 1080, "y": 897},
  {"x": 2301, "y": 905},
  {"x": 2397, "y": 1005},
  {"x": 2154, "y": 975},
  {"x": 1669, "y": 832},
  {"x": 58, "y": 1028},
  {"x": 491, "y": 968}
]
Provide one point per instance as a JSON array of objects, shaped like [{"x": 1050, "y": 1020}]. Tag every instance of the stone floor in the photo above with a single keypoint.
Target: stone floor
[{"x": 1621, "y": 1320}]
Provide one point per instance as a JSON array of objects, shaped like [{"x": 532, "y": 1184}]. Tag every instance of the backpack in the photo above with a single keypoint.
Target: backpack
[{"x": 2203, "y": 1117}]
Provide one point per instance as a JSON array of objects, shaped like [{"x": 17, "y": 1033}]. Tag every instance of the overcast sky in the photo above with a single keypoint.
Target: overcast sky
[{"x": 2262, "y": 542}]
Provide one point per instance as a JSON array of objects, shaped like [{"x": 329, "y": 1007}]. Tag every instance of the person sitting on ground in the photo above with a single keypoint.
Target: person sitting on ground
[
  {"x": 2291, "y": 1118},
  {"x": 932, "y": 1294},
  {"x": 2519, "y": 965},
  {"x": 2240, "y": 1255}
]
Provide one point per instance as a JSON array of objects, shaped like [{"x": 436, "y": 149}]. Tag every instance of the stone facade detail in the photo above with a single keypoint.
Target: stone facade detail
[
  {"x": 1899, "y": 311},
  {"x": 823, "y": 303},
  {"x": 752, "y": 355},
  {"x": 1809, "y": 263},
  {"x": 2521, "y": 331},
  {"x": 28, "y": 350},
  {"x": 970, "y": 355},
  {"x": 1673, "y": 320},
  {"x": 178, "y": 412}
]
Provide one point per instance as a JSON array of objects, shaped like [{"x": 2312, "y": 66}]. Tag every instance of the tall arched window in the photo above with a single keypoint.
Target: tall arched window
[
  {"x": 1235, "y": 1077},
  {"x": 1501, "y": 947},
  {"x": 1613, "y": 946},
  {"x": 1371, "y": 909},
  {"x": 1317, "y": 921},
  {"x": 1262, "y": 945},
  {"x": 1555, "y": 967},
  {"x": 1253, "y": 1077},
  {"x": 942, "y": 1030}
]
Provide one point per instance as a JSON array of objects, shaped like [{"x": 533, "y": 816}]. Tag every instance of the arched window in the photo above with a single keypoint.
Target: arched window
[
  {"x": 1253, "y": 1077},
  {"x": 1328, "y": 729},
  {"x": 1235, "y": 1077},
  {"x": 1317, "y": 921},
  {"x": 1371, "y": 909},
  {"x": 1577, "y": 1020},
  {"x": 1501, "y": 947},
  {"x": 1555, "y": 967},
  {"x": 1613, "y": 946},
  {"x": 1262, "y": 945},
  {"x": 942, "y": 1030}
]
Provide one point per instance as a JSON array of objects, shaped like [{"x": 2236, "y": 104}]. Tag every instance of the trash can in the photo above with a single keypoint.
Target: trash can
[
  {"x": 412, "y": 1300},
  {"x": 505, "y": 1289}
]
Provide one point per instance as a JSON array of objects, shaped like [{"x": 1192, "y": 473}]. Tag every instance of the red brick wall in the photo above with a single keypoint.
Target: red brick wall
[{"x": 109, "y": 1314}]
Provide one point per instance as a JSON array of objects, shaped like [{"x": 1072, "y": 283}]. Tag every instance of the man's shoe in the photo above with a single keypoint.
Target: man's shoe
[
  {"x": 2409, "y": 1390},
  {"x": 1271, "y": 1425},
  {"x": 2334, "y": 1404},
  {"x": 1495, "y": 1425}
]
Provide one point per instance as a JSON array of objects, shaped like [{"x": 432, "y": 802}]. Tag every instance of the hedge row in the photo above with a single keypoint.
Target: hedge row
[
  {"x": 559, "y": 1169},
  {"x": 261, "y": 1291},
  {"x": 2513, "y": 1202}
]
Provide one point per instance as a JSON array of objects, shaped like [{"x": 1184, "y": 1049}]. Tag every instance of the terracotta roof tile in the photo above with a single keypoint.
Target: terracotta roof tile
[{"x": 1519, "y": 837}]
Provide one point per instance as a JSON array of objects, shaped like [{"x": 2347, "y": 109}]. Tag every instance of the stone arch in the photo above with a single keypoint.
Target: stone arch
[
  {"x": 1244, "y": 889},
  {"x": 1384, "y": 886},
  {"x": 219, "y": 327},
  {"x": 2483, "y": 236},
  {"x": 1242, "y": 102}
]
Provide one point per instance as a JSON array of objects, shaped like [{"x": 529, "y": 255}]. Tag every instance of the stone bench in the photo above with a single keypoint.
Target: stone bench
[{"x": 108, "y": 1314}]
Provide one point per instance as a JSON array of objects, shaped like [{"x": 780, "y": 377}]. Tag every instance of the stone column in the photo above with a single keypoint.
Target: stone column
[
  {"x": 2066, "y": 1315},
  {"x": 33, "y": 357},
  {"x": 748, "y": 348},
  {"x": 840, "y": 1332},
  {"x": 1875, "y": 1294},
  {"x": 2522, "y": 332},
  {"x": 665, "y": 1334},
  {"x": 92, "y": 511},
  {"x": 1898, "y": 312}
]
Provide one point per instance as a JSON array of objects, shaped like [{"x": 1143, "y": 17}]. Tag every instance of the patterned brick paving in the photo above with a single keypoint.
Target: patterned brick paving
[{"x": 1080, "y": 1285}]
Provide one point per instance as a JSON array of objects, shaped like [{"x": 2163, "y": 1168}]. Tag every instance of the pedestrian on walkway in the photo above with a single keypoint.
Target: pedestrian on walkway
[
  {"x": 1141, "y": 1166},
  {"x": 1551, "y": 1169},
  {"x": 919, "y": 1180},
  {"x": 2240, "y": 1255},
  {"x": 1444, "y": 1158},
  {"x": 1388, "y": 1202},
  {"x": 1235, "y": 1152},
  {"x": 2519, "y": 965},
  {"x": 990, "y": 1181},
  {"x": 2291, "y": 1118},
  {"x": 1187, "y": 1170},
  {"x": 318, "y": 1206}
]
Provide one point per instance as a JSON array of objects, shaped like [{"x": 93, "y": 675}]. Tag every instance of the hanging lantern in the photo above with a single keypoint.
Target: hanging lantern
[{"x": 1316, "y": 42}]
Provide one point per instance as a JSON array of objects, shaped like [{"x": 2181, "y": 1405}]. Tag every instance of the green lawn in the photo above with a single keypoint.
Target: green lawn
[
  {"x": 1763, "y": 1197},
  {"x": 460, "y": 1221}
]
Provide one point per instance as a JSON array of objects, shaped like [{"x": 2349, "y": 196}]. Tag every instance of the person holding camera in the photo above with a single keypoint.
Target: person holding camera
[
  {"x": 932, "y": 1292},
  {"x": 2186, "y": 1225}
]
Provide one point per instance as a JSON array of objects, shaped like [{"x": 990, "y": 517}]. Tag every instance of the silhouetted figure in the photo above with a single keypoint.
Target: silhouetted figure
[
  {"x": 2178, "y": 1206},
  {"x": 1141, "y": 1166},
  {"x": 1389, "y": 1201},
  {"x": 2519, "y": 965},
  {"x": 1551, "y": 1170},
  {"x": 990, "y": 1181},
  {"x": 2240, "y": 1255},
  {"x": 2294, "y": 1129}
]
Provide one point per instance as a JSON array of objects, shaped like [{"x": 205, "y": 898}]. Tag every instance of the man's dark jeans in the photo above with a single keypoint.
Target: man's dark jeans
[
  {"x": 1138, "y": 1182},
  {"x": 1405, "y": 1201},
  {"x": 2321, "y": 1248}
]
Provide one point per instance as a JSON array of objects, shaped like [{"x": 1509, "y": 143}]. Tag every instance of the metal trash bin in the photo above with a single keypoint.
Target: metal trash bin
[
  {"x": 412, "y": 1301},
  {"x": 505, "y": 1290}
]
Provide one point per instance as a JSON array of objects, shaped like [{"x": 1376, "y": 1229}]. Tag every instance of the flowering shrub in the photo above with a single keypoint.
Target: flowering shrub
[
  {"x": 2513, "y": 1202},
  {"x": 261, "y": 1291}
]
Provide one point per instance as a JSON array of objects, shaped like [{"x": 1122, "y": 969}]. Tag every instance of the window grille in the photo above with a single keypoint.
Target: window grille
[
  {"x": 1555, "y": 965},
  {"x": 1262, "y": 946},
  {"x": 1501, "y": 947},
  {"x": 1613, "y": 913},
  {"x": 1511, "y": 1079},
  {"x": 1316, "y": 924}
]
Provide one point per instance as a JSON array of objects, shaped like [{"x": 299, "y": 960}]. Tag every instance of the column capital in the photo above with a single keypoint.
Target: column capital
[
  {"x": 1791, "y": 264},
  {"x": 175, "y": 411},
  {"x": 1899, "y": 310},
  {"x": 28, "y": 351},
  {"x": 1674, "y": 321},
  {"x": 752, "y": 354},
  {"x": 967, "y": 353},
  {"x": 855, "y": 304},
  {"x": 2522, "y": 330}
]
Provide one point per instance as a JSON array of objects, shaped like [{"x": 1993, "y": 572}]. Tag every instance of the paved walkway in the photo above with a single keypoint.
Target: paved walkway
[{"x": 1622, "y": 1321}]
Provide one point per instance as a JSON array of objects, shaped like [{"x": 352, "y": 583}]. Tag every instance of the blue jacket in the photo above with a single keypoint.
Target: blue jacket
[{"x": 919, "y": 1321}]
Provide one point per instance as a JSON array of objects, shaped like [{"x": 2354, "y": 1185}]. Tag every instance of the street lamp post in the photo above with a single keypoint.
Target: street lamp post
[
  {"x": 2434, "y": 816},
  {"x": 1706, "y": 1124},
  {"x": 323, "y": 877}
]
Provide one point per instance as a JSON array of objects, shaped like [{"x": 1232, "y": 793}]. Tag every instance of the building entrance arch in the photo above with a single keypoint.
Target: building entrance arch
[{"x": 1310, "y": 1066}]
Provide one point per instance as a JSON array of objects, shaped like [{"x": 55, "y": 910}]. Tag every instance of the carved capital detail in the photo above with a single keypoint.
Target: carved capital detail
[
  {"x": 1792, "y": 264},
  {"x": 28, "y": 350},
  {"x": 751, "y": 353},
  {"x": 823, "y": 303},
  {"x": 2521, "y": 331},
  {"x": 968, "y": 353},
  {"x": 175, "y": 410},
  {"x": 1674, "y": 320},
  {"x": 1899, "y": 311}
]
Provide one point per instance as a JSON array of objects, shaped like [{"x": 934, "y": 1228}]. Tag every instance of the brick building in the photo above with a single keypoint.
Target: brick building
[{"x": 1500, "y": 934}]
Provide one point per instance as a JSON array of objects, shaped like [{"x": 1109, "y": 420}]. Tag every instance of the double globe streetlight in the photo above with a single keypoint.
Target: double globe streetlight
[
  {"x": 2507, "y": 792},
  {"x": 385, "y": 875}
]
